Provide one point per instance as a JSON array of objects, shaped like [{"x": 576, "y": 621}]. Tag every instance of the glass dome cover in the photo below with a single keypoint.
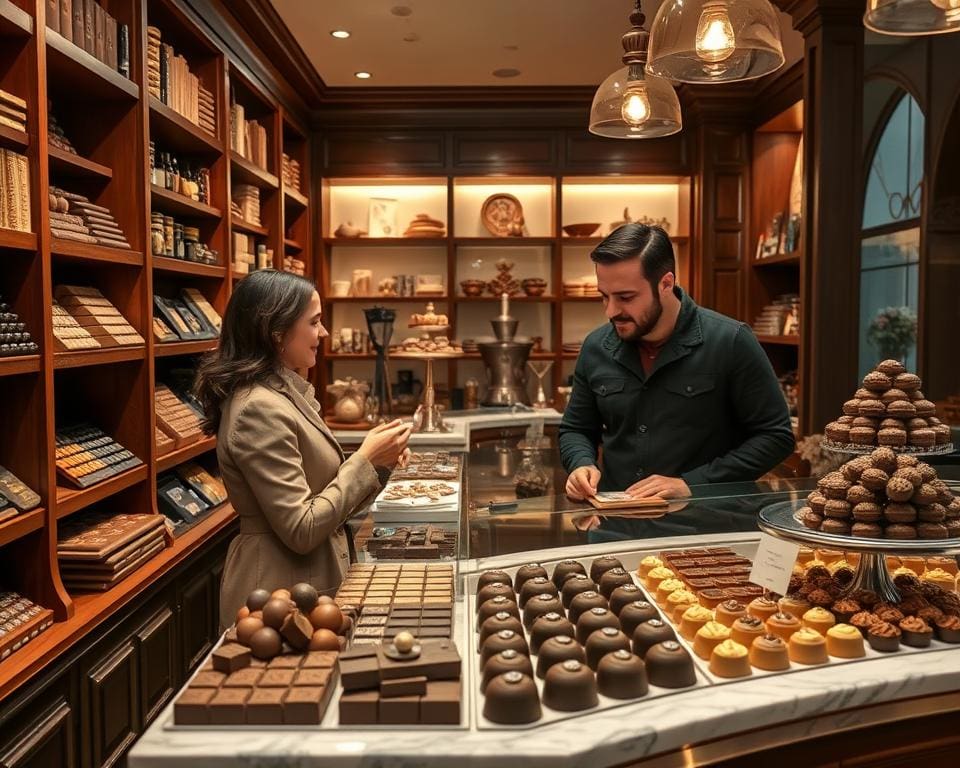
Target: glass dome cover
[{"x": 912, "y": 17}]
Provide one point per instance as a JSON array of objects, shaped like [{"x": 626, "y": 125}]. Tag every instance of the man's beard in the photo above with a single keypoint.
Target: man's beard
[{"x": 644, "y": 326}]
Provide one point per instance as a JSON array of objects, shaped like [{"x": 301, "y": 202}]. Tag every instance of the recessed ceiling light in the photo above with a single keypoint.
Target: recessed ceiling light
[
  {"x": 362, "y": 75},
  {"x": 506, "y": 72},
  {"x": 340, "y": 34}
]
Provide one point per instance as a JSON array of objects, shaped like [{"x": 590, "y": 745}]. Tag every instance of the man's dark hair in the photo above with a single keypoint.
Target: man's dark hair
[{"x": 651, "y": 244}]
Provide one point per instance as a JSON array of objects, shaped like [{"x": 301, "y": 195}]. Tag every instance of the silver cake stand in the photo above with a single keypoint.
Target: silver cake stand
[
  {"x": 852, "y": 449},
  {"x": 780, "y": 521}
]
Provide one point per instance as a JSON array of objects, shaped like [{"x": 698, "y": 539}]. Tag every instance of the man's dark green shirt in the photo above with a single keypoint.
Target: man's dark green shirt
[{"x": 710, "y": 410}]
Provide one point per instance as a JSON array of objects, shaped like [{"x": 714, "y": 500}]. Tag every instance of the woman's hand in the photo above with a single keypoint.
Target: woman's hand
[
  {"x": 404, "y": 461},
  {"x": 385, "y": 443}
]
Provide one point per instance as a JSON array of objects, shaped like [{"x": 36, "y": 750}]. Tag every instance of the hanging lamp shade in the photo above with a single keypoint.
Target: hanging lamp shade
[
  {"x": 630, "y": 103},
  {"x": 715, "y": 41},
  {"x": 912, "y": 17}
]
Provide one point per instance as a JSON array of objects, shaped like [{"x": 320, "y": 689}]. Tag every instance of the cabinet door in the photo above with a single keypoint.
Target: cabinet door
[
  {"x": 196, "y": 608},
  {"x": 112, "y": 719},
  {"x": 47, "y": 742},
  {"x": 157, "y": 670}
]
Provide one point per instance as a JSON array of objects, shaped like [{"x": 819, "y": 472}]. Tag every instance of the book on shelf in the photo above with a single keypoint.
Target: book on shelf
[
  {"x": 53, "y": 15},
  {"x": 65, "y": 9},
  {"x": 13, "y": 111},
  {"x": 14, "y": 191},
  {"x": 88, "y": 25},
  {"x": 247, "y": 137},
  {"x": 170, "y": 79}
]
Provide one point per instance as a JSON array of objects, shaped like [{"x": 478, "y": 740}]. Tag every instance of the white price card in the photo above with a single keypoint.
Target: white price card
[{"x": 773, "y": 563}]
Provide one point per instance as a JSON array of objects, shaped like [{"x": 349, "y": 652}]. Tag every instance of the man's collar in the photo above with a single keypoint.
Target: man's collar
[{"x": 686, "y": 333}]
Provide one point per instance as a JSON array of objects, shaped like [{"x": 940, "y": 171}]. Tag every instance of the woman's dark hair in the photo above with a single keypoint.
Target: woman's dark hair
[
  {"x": 262, "y": 308},
  {"x": 651, "y": 244}
]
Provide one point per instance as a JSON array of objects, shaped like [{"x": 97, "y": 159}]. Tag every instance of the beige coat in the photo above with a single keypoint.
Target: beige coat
[{"x": 287, "y": 478}]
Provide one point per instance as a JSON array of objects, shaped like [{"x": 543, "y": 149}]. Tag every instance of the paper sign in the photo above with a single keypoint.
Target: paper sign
[{"x": 773, "y": 563}]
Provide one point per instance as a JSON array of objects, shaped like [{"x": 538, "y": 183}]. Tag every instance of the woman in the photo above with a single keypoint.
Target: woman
[{"x": 284, "y": 471}]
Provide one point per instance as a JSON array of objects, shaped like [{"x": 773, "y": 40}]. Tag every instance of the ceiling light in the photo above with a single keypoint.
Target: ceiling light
[
  {"x": 715, "y": 41},
  {"x": 631, "y": 104},
  {"x": 362, "y": 75},
  {"x": 340, "y": 34},
  {"x": 912, "y": 17}
]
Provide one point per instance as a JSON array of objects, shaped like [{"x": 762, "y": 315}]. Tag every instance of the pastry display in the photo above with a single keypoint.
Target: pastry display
[
  {"x": 439, "y": 465},
  {"x": 85, "y": 455},
  {"x": 414, "y": 493},
  {"x": 21, "y": 620},
  {"x": 14, "y": 190}
]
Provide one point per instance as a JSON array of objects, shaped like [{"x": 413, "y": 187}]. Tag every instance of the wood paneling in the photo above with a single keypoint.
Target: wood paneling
[
  {"x": 726, "y": 292},
  {"x": 196, "y": 607},
  {"x": 47, "y": 742},
  {"x": 356, "y": 153},
  {"x": 510, "y": 152},
  {"x": 728, "y": 198},
  {"x": 158, "y": 674},
  {"x": 728, "y": 248},
  {"x": 111, "y": 719},
  {"x": 586, "y": 153}
]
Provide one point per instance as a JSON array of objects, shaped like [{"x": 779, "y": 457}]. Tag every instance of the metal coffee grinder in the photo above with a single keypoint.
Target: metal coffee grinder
[{"x": 505, "y": 361}]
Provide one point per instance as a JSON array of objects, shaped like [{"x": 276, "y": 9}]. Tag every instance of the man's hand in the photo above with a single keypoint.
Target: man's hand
[
  {"x": 582, "y": 483},
  {"x": 658, "y": 485}
]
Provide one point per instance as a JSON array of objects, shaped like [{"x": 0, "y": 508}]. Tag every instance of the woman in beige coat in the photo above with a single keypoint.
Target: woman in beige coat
[{"x": 284, "y": 471}]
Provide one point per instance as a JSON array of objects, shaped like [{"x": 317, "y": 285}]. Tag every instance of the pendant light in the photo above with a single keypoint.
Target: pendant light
[
  {"x": 715, "y": 41},
  {"x": 631, "y": 104},
  {"x": 912, "y": 17}
]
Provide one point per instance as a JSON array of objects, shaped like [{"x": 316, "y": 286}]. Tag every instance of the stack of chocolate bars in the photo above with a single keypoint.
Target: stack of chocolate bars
[
  {"x": 175, "y": 418},
  {"x": 21, "y": 620},
  {"x": 412, "y": 543},
  {"x": 86, "y": 456},
  {"x": 96, "y": 314},
  {"x": 74, "y": 217}
]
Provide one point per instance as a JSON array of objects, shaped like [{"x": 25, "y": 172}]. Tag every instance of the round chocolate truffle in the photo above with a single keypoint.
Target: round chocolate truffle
[
  {"x": 621, "y": 675},
  {"x": 592, "y": 620},
  {"x": 564, "y": 570},
  {"x": 601, "y": 565},
  {"x": 265, "y": 643},
  {"x": 497, "y": 622},
  {"x": 604, "y": 641},
  {"x": 540, "y": 605},
  {"x": 257, "y": 599},
  {"x": 505, "y": 661},
  {"x": 492, "y": 590},
  {"x": 305, "y": 596},
  {"x": 570, "y": 687},
  {"x": 512, "y": 699},
  {"x": 584, "y": 602},
  {"x": 495, "y": 605},
  {"x": 527, "y": 572},
  {"x": 623, "y": 596},
  {"x": 501, "y": 641},
  {"x": 615, "y": 577},
  {"x": 574, "y": 585},
  {"x": 557, "y": 649},
  {"x": 634, "y": 614},
  {"x": 649, "y": 634},
  {"x": 246, "y": 628},
  {"x": 275, "y": 611},
  {"x": 547, "y": 626},
  {"x": 493, "y": 577},
  {"x": 536, "y": 585},
  {"x": 670, "y": 666}
]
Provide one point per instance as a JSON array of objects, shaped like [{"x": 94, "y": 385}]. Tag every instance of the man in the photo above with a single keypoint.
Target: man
[{"x": 675, "y": 394}]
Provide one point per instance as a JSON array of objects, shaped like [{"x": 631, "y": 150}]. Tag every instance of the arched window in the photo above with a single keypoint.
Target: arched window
[{"x": 890, "y": 239}]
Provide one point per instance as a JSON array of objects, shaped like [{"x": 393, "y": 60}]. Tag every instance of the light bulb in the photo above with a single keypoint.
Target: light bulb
[
  {"x": 950, "y": 6},
  {"x": 715, "y": 39},
  {"x": 635, "y": 108}
]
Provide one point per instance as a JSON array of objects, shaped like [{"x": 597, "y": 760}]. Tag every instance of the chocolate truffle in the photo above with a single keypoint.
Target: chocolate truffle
[
  {"x": 512, "y": 699},
  {"x": 501, "y": 641},
  {"x": 730, "y": 659},
  {"x": 915, "y": 632},
  {"x": 746, "y": 629},
  {"x": 762, "y": 607},
  {"x": 769, "y": 653},
  {"x": 493, "y": 590},
  {"x": 525, "y": 573},
  {"x": 584, "y": 602},
  {"x": 845, "y": 642},
  {"x": 246, "y": 629},
  {"x": 783, "y": 625},
  {"x": 601, "y": 565},
  {"x": 305, "y": 596},
  {"x": 648, "y": 634},
  {"x": 275, "y": 611},
  {"x": 693, "y": 618},
  {"x": 266, "y": 643},
  {"x": 505, "y": 661},
  {"x": 615, "y": 577},
  {"x": 570, "y": 687},
  {"x": 844, "y": 609},
  {"x": 708, "y": 637},
  {"x": 884, "y": 637},
  {"x": 493, "y": 577},
  {"x": 495, "y": 605},
  {"x": 623, "y": 596},
  {"x": 547, "y": 626},
  {"x": 564, "y": 570},
  {"x": 604, "y": 641},
  {"x": 540, "y": 605},
  {"x": 621, "y": 675},
  {"x": 634, "y": 614},
  {"x": 592, "y": 620},
  {"x": 257, "y": 599},
  {"x": 807, "y": 646},
  {"x": 729, "y": 611},
  {"x": 557, "y": 649},
  {"x": 536, "y": 585},
  {"x": 670, "y": 666},
  {"x": 497, "y": 622},
  {"x": 863, "y": 621},
  {"x": 574, "y": 585}
]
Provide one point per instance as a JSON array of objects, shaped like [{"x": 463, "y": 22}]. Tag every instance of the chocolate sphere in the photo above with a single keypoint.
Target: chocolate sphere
[
  {"x": 404, "y": 642},
  {"x": 275, "y": 611},
  {"x": 649, "y": 634},
  {"x": 304, "y": 596},
  {"x": 326, "y": 616},
  {"x": 324, "y": 640},
  {"x": 557, "y": 649},
  {"x": 621, "y": 675},
  {"x": 634, "y": 614},
  {"x": 570, "y": 687},
  {"x": 527, "y": 572},
  {"x": 498, "y": 621},
  {"x": 326, "y": 599},
  {"x": 281, "y": 594},
  {"x": 603, "y": 564},
  {"x": 512, "y": 699},
  {"x": 623, "y": 596},
  {"x": 501, "y": 641},
  {"x": 493, "y": 577},
  {"x": 574, "y": 585},
  {"x": 547, "y": 626},
  {"x": 257, "y": 599},
  {"x": 537, "y": 585},
  {"x": 505, "y": 661},
  {"x": 592, "y": 620},
  {"x": 492, "y": 590},
  {"x": 246, "y": 629},
  {"x": 615, "y": 577},
  {"x": 265, "y": 643},
  {"x": 243, "y": 613},
  {"x": 540, "y": 605},
  {"x": 584, "y": 602},
  {"x": 604, "y": 641},
  {"x": 670, "y": 666},
  {"x": 495, "y": 605},
  {"x": 564, "y": 570}
]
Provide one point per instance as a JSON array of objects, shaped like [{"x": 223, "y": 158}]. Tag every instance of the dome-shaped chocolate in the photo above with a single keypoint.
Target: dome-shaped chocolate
[
  {"x": 649, "y": 634},
  {"x": 584, "y": 602},
  {"x": 621, "y": 675},
  {"x": 557, "y": 649},
  {"x": 501, "y": 641},
  {"x": 536, "y": 585},
  {"x": 615, "y": 577},
  {"x": 623, "y": 596},
  {"x": 527, "y": 572},
  {"x": 634, "y": 614},
  {"x": 604, "y": 641},
  {"x": 512, "y": 699},
  {"x": 570, "y": 687},
  {"x": 505, "y": 661},
  {"x": 540, "y": 605},
  {"x": 497, "y": 622},
  {"x": 564, "y": 569},
  {"x": 493, "y": 577},
  {"x": 547, "y": 626},
  {"x": 603, "y": 564},
  {"x": 592, "y": 620},
  {"x": 574, "y": 585},
  {"x": 495, "y": 605},
  {"x": 670, "y": 666},
  {"x": 492, "y": 590}
]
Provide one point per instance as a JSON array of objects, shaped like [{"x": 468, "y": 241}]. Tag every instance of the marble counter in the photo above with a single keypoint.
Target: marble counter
[{"x": 839, "y": 696}]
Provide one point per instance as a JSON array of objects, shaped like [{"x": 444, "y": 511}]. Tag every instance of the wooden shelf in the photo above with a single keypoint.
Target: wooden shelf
[
  {"x": 21, "y": 241},
  {"x": 64, "y": 163},
  {"x": 597, "y": 239},
  {"x": 11, "y": 138},
  {"x": 533, "y": 356},
  {"x": 251, "y": 229},
  {"x": 242, "y": 171},
  {"x": 186, "y": 453},
  {"x": 70, "y": 500},
  {"x": 488, "y": 299},
  {"x": 172, "y": 348},
  {"x": 781, "y": 259},
  {"x": 239, "y": 275},
  {"x": 166, "y": 264},
  {"x": 350, "y": 356},
  {"x": 295, "y": 198},
  {"x": 69, "y": 249},
  {"x": 292, "y": 245},
  {"x": 575, "y": 299},
  {"x": 387, "y": 242},
  {"x": 785, "y": 341},
  {"x": 14, "y": 22},
  {"x": 14, "y": 366},
  {"x": 173, "y": 131},
  {"x": 69, "y": 66},
  {"x": 386, "y": 299},
  {"x": 23, "y": 524},
  {"x": 85, "y": 357},
  {"x": 504, "y": 242},
  {"x": 174, "y": 203}
]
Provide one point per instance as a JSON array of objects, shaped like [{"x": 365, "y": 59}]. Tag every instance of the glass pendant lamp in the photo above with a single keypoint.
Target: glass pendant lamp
[
  {"x": 715, "y": 41},
  {"x": 912, "y": 17},
  {"x": 631, "y": 104}
]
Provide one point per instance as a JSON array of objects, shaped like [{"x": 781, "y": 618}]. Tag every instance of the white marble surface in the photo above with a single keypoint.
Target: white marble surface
[{"x": 612, "y": 737}]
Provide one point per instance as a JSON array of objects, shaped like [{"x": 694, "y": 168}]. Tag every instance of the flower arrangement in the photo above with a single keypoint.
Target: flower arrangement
[{"x": 893, "y": 332}]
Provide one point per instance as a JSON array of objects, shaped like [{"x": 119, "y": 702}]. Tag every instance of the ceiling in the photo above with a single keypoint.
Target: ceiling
[{"x": 462, "y": 42}]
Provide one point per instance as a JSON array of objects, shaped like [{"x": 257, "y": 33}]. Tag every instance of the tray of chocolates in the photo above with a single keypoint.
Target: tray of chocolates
[
  {"x": 21, "y": 620},
  {"x": 86, "y": 455},
  {"x": 428, "y": 542},
  {"x": 401, "y": 584},
  {"x": 580, "y": 637},
  {"x": 15, "y": 339},
  {"x": 433, "y": 465}
]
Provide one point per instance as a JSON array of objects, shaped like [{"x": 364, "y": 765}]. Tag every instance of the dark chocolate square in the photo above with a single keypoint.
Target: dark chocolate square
[
  {"x": 208, "y": 679},
  {"x": 360, "y": 672},
  {"x": 440, "y": 705},
  {"x": 403, "y": 686},
  {"x": 402, "y": 710},
  {"x": 303, "y": 706},
  {"x": 359, "y": 707},
  {"x": 230, "y": 658},
  {"x": 243, "y": 678},
  {"x": 320, "y": 660},
  {"x": 313, "y": 677},
  {"x": 285, "y": 661},
  {"x": 265, "y": 706},
  {"x": 227, "y": 707},
  {"x": 277, "y": 678},
  {"x": 191, "y": 706}
]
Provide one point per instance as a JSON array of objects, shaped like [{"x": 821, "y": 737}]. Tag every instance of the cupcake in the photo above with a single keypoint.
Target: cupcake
[
  {"x": 665, "y": 587},
  {"x": 939, "y": 577},
  {"x": 845, "y": 642},
  {"x": 884, "y": 637},
  {"x": 948, "y": 629},
  {"x": 783, "y": 625},
  {"x": 656, "y": 575},
  {"x": 762, "y": 607},
  {"x": 794, "y": 605},
  {"x": 746, "y": 629},
  {"x": 915, "y": 632},
  {"x": 693, "y": 618},
  {"x": 730, "y": 659},
  {"x": 729, "y": 611},
  {"x": 819, "y": 619},
  {"x": 807, "y": 646},
  {"x": 648, "y": 564},
  {"x": 769, "y": 652},
  {"x": 678, "y": 602},
  {"x": 863, "y": 621},
  {"x": 708, "y": 637},
  {"x": 844, "y": 609}
]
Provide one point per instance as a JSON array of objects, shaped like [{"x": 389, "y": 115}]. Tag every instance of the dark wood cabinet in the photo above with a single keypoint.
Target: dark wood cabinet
[
  {"x": 159, "y": 676},
  {"x": 48, "y": 741},
  {"x": 196, "y": 605},
  {"x": 110, "y": 717}
]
